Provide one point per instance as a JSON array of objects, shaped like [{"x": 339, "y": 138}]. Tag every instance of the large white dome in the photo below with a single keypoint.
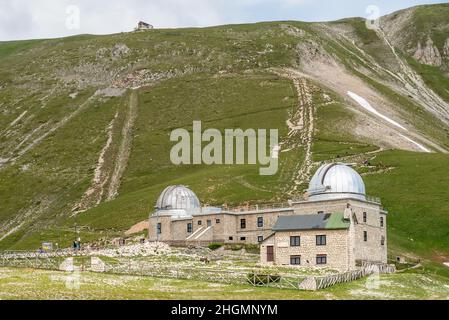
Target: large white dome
[
  {"x": 336, "y": 181},
  {"x": 179, "y": 200}
]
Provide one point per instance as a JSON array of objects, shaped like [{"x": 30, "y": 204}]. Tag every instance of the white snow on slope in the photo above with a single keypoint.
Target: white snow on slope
[
  {"x": 416, "y": 144},
  {"x": 366, "y": 105}
]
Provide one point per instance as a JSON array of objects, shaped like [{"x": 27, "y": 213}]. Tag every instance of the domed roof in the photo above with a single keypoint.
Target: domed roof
[
  {"x": 336, "y": 181},
  {"x": 179, "y": 199}
]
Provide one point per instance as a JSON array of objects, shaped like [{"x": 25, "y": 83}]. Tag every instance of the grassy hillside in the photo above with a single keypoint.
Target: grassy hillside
[{"x": 78, "y": 109}]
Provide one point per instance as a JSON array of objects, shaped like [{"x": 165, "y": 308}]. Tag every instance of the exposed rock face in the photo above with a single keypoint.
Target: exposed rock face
[
  {"x": 119, "y": 51},
  {"x": 446, "y": 49},
  {"x": 429, "y": 54}
]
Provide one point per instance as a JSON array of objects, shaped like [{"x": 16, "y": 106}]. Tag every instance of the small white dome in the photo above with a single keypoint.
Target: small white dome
[
  {"x": 336, "y": 181},
  {"x": 178, "y": 199}
]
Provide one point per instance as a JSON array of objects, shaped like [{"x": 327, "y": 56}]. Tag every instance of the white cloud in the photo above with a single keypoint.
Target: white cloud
[{"x": 22, "y": 19}]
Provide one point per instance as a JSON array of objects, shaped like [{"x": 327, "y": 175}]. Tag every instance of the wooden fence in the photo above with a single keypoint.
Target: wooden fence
[{"x": 368, "y": 269}]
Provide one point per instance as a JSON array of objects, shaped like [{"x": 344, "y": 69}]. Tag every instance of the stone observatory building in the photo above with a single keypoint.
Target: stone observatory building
[{"x": 334, "y": 225}]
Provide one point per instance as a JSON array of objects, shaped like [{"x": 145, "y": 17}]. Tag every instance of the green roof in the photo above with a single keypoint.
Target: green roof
[
  {"x": 337, "y": 221},
  {"x": 322, "y": 221}
]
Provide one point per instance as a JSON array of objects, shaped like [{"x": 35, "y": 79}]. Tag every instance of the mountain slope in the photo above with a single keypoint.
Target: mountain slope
[{"x": 85, "y": 121}]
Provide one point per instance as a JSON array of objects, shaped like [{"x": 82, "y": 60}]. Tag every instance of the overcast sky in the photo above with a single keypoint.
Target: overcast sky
[{"x": 30, "y": 19}]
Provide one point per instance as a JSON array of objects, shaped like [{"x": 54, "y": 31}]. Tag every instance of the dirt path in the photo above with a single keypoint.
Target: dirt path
[
  {"x": 125, "y": 147},
  {"x": 108, "y": 175},
  {"x": 301, "y": 125},
  {"x": 94, "y": 195}
]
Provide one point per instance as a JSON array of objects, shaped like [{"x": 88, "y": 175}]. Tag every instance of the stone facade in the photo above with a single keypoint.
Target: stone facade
[
  {"x": 225, "y": 227},
  {"x": 336, "y": 249},
  {"x": 335, "y": 207}
]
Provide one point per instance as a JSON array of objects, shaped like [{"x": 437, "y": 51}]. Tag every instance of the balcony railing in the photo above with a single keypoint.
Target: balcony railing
[
  {"x": 285, "y": 205},
  {"x": 261, "y": 207}
]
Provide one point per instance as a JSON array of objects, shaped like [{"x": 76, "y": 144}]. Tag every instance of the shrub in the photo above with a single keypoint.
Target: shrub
[
  {"x": 215, "y": 246},
  {"x": 252, "y": 248},
  {"x": 234, "y": 247}
]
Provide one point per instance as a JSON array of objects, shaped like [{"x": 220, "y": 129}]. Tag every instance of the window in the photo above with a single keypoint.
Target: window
[
  {"x": 295, "y": 260},
  {"x": 200, "y": 223},
  {"x": 365, "y": 236},
  {"x": 321, "y": 259},
  {"x": 365, "y": 217},
  {"x": 159, "y": 228},
  {"x": 189, "y": 228},
  {"x": 218, "y": 221},
  {"x": 243, "y": 224},
  {"x": 260, "y": 222},
  {"x": 231, "y": 238},
  {"x": 243, "y": 239},
  {"x": 321, "y": 240},
  {"x": 295, "y": 241},
  {"x": 260, "y": 239},
  {"x": 381, "y": 222},
  {"x": 382, "y": 241}
]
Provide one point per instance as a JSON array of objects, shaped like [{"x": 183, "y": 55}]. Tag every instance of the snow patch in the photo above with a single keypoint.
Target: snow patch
[
  {"x": 367, "y": 106},
  {"x": 416, "y": 144}
]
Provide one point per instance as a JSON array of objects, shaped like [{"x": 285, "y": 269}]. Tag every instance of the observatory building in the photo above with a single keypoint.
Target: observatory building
[{"x": 334, "y": 225}]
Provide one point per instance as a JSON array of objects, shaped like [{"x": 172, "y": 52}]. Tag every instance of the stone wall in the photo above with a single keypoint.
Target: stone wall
[
  {"x": 166, "y": 234},
  {"x": 372, "y": 249},
  {"x": 336, "y": 249}
]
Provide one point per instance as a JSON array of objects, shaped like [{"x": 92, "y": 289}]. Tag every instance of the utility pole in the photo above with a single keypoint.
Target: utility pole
[{"x": 157, "y": 226}]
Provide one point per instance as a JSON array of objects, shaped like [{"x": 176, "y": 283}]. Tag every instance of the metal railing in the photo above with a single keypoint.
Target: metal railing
[
  {"x": 258, "y": 207},
  {"x": 369, "y": 198}
]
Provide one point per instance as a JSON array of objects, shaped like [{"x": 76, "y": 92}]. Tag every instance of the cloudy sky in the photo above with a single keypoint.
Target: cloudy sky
[{"x": 29, "y": 19}]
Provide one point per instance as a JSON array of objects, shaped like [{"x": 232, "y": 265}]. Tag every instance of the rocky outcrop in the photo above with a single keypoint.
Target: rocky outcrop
[
  {"x": 446, "y": 49},
  {"x": 429, "y": 54}
]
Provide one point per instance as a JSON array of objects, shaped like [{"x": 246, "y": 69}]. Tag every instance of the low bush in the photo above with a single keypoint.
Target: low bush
[
  {"x": 252, "y": 248},
  {"x": 215, "y": 246}
]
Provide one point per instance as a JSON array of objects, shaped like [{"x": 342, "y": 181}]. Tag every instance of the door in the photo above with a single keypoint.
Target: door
[
  {"x": 270, "y": 254},
  {"x": 209, "y": 223}
]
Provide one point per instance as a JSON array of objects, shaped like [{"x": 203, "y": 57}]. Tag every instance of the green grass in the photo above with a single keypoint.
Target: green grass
[
  {"x": 46, "y": 285},
  {"x": 433, "y": 77},
  {"x": 415, "y": 194},
  {"x": 10, "y": 47},
  {"x": 333, "y": 139},
  {"x": 433, "y": 18}
]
